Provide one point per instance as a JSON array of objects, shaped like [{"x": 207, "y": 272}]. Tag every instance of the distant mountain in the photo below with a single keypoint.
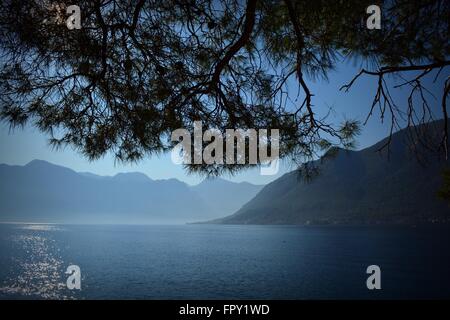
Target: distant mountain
[
  {"x": 355, "y": 187},
  {"x": 225, "y": 197},
  {"x": 43, "y": 192}
]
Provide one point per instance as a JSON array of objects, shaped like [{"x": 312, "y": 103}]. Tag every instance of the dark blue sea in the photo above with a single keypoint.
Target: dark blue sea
[{"x": 223, "y": 262}]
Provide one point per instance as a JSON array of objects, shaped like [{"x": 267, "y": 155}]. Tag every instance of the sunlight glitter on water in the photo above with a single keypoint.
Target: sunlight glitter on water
[
  {"x": 40, "y": 227},
  {"x": 39, "y": 269}
]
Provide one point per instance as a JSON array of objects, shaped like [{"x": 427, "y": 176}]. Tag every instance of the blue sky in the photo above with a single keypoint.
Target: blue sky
[{"x": 18, "y": 147}]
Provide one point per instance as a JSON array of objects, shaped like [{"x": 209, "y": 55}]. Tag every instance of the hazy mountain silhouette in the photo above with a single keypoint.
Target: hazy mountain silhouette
[
  {"x": 225, "y": 197},
  {"x": 43, "y": 192},
  {"x": 355, "y": 187}
]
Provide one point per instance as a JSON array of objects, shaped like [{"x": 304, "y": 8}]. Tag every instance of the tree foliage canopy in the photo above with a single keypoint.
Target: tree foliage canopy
[{"x": 137, "y": 70}]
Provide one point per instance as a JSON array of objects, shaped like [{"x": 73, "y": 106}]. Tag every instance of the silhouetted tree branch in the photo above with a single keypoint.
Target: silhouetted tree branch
[{"x": 137, "y": 70}]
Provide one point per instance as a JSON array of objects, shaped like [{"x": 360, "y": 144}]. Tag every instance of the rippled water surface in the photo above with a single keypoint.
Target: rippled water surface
[{"x": 222, "y": 262}]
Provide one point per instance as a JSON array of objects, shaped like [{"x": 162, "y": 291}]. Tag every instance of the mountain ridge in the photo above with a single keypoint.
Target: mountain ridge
[
  {"x": 40, "y": 191},
  {"x": 354, "y": 187}
]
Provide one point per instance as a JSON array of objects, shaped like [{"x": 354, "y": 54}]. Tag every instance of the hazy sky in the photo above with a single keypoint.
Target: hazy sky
[{"x": 21, "y": 146}]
